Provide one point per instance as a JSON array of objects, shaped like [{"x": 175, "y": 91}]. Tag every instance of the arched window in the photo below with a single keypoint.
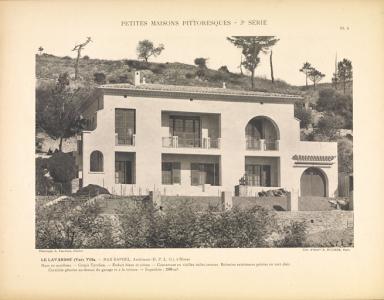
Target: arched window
[{"x": 96, "y": 161}]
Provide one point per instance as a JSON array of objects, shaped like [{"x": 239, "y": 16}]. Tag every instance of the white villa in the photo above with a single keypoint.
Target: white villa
[{"x": 188, "y": 140}]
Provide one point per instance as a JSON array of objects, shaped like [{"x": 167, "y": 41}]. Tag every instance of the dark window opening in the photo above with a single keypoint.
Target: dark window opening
[
  {"x": 170, "y": 172},
  {"x": 205, "y": 173},
  {"x": 125, "y": 125},
  {"x": 187, "y": 129},
  {"x": 96, "y": 161}
]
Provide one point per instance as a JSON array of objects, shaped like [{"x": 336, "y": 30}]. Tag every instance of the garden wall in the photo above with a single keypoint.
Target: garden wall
[
  {"x": 318, "y": 221},
  {"x": 315, "y": 204},
  {"x": 273, "y": 203},
  {"x": 201, "y": 202}
]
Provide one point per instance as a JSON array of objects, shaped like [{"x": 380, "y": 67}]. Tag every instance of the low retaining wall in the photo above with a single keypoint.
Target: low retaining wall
[
  {"x": 318, "y": 221},
  {"x": 273, "y": 203},
  {"x": 315, "y": 203},
  {"x": 201, "y": 202}
]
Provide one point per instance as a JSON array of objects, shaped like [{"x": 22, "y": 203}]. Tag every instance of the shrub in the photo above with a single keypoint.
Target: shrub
[
  {"x": 332, "y": 102},
  {"x": 189, "y": 75},
  {"x": 86, "y": 57},
  {"x": 99, "y": 78},
  {"x": 223, "y": 69},
  {"x": 123, "y": 78},
  {"x": 92, "y": 190},
  {"x": 43, "y": 184},
  {"x": 137, "y": 64},
  {"x": 294, "y": 235},
  {"x": 345, "y": 155},
  {"x": 304, "y": 115},
  {"x": 201, "y": 62},
  {"x": 200, "y": 73},
  {"x": 329, "y": 124},
  {"x": 69, "y": 224},
  {"x": 219, "y": 76},
  {"x": 157, "y": 68},
  {"x": 67, "y": 58},
  {"x": 62, "y": 167},
  {"x": 181, "y": 226}
]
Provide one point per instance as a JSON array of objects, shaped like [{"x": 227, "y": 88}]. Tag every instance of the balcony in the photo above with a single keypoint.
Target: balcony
[
  {"x": 178, "y": 142},
  {"x": 127, "y": 140},
  {"x": 262, "y": 145}
]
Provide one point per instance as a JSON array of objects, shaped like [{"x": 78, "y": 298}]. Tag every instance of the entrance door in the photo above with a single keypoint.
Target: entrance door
[{"x": 312, "y": 183}]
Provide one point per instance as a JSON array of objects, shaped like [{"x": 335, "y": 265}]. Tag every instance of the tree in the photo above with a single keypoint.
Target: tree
[
  {"x": 268, "y": 42},
  {"x": 344, "y": 72},
  {"x": 331, "y": 101},
  {"x": 78, "y": 48},
  {"x": 56, "y": 110},
  {"x": 251, "y": 47},
  {"x": 306, "y": 69},
  {"x": 329, "y": 124},
  {"x": 41, "y": 49},
  {"x": 201, "y": 62},
  {"x": 315, "y": 76},
  {"x": 145, "y": 49},
  {"x": 223, "y": 69},
  {"x": 304, "y": 115},
  {"x": 250, "y": 50}
]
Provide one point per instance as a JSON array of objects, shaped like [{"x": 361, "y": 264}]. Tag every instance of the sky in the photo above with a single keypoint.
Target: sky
[{"x": 289, "y": 53}]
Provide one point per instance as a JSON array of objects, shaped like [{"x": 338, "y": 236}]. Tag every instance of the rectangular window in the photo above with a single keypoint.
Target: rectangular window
[
  {"x": 125, "y": 125},
  {"x": 204, "y": 174},
  {"x": 170, "y": 172},
  {"x": 258, "y": 175}
]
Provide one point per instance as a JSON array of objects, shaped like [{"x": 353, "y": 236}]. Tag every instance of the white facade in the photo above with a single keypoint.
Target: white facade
[{"x": 218, "y": 150}]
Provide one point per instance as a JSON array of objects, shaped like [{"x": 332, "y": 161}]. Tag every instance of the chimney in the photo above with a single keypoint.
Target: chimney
[
  {"x": 137, "y": 78},
  {"x": 224, "y": 87}
]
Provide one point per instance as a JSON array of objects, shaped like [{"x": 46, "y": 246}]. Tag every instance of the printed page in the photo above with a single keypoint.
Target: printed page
[{"x": 205, "y": 150}]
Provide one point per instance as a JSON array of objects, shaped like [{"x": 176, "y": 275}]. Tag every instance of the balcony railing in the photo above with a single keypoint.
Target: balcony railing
[
  {"x": 129, "y": 140},
  {"x": 178, "y": 142},
  {"x": 262, "y": 145}
]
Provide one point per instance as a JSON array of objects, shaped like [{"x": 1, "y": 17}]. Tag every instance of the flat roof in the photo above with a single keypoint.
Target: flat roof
[{"x": 195, "y": 92}]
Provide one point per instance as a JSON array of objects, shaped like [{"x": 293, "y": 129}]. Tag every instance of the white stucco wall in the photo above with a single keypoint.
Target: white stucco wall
[{"x": 233, "y": 116}]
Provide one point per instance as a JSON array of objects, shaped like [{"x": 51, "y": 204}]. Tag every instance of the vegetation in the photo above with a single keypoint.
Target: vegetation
[
  {"x": 315, "y": 76},
  {"x": 81, "y": 224},
  {"x": 304, "y": 115},
  {"x": 344, "y": 72},
  {"x": 306, "y": 69},
  {"x": 145, "y": 49},
  {"x": 57, "y": 111},
  {"x": 70, "y": 224},
  {"x": 251, "y": 47},
  {"x": 332, "y": 102},
  {"x": 201, "y": 62},
  {"x": 59, "y": 169},
  {"x": 79, "y": 48}
]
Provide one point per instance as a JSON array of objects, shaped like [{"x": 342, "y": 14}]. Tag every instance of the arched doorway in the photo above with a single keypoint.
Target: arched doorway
[{"x": 313, "y": 182}]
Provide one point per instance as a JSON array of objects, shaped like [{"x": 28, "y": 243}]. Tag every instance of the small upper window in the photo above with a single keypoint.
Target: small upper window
[{"x": 96, "y": 161}]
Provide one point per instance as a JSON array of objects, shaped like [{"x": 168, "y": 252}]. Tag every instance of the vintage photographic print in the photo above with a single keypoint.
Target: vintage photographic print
[{"x": 225, "y": 141}]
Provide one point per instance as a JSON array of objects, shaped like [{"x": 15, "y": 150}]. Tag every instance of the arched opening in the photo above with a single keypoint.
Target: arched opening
[
  {"x": 313, "y": 182},
  {"x": 262, "y": 133},
  {"x": 96, "y": 163}
]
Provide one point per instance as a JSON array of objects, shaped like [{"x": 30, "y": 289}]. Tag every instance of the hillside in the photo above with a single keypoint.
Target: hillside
[{"x": 48, "y": 67}]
